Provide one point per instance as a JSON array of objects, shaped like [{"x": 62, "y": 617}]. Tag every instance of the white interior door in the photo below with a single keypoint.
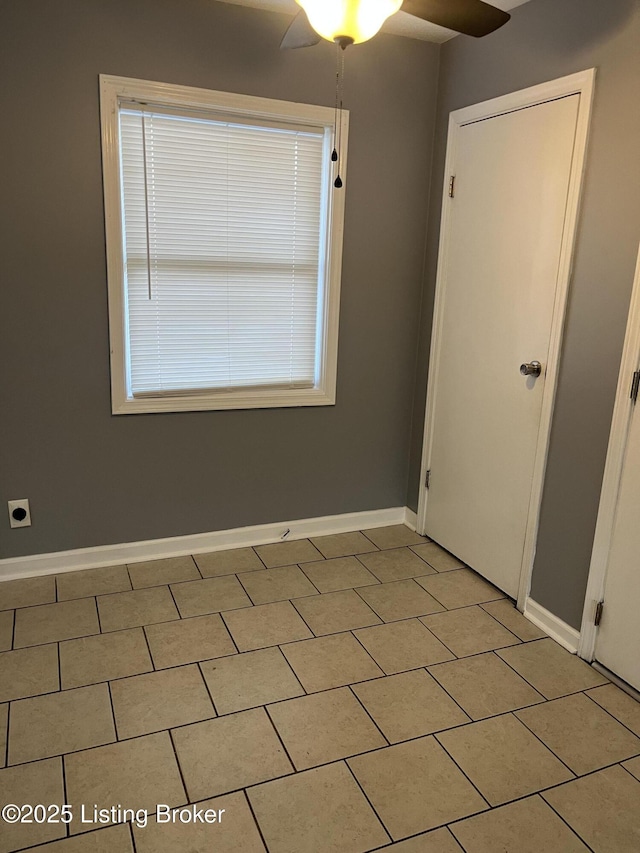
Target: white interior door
[
  {"x": 498, "y": 277},
  {"x": 618, "y": 641}
]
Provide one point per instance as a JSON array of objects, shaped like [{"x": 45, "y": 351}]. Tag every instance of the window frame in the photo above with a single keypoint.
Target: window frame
[{"x": 113, "y": 91}]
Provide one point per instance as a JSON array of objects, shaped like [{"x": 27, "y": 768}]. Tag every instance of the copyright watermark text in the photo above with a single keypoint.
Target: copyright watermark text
[{"x": 97, "y": 816}]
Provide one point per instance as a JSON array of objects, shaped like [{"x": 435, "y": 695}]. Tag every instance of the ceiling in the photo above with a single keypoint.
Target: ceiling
[{"x": 399, "y": 24}]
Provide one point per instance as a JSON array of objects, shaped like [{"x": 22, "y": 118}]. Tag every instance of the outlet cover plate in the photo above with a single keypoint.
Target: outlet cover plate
[{"x": 20, "y": 504}]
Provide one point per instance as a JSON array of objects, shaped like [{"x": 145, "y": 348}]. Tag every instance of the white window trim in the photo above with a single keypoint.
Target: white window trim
[{"x": 113, "y": 90}]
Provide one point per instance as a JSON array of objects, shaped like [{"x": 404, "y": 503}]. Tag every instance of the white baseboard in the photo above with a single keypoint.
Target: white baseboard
[
  {"x": 410, "y": 518},
  {"x": 199, "y": 543},
  {"x": 558, "y": 630}
]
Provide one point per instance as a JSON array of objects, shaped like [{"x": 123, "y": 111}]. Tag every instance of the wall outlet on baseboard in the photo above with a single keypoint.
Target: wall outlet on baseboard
[{"x": 19, "y": 513}]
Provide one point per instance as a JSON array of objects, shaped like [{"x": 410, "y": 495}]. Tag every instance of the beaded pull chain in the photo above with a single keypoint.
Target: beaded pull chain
[{"x": 336, "y": 154}]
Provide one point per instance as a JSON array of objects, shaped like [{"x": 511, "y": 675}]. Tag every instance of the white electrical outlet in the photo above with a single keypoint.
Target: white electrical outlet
[{"x": 19, "y": 513}]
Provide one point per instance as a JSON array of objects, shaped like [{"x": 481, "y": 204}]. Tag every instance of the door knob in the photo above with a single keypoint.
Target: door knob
[{"x": 531, "y": 368}]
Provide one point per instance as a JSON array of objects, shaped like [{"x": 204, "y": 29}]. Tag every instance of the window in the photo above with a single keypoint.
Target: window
[{"x": 224, "y": 244}]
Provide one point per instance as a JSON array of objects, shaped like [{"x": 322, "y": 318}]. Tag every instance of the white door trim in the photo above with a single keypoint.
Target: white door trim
[
  {"x": 622, "y": 413},
  {"x": 582, "y": 84}
]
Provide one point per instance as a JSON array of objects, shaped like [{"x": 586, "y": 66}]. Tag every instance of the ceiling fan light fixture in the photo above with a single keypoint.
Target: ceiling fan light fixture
[{"x": 356, "y": 20}]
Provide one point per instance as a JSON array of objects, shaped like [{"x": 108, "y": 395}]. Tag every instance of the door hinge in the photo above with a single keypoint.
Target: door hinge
[
  {"x": 427, "y": 479},
  {"x": 452, "y": 186},
  {"x": 635, "y": 386},
  {"x": 598, "y": 614}
]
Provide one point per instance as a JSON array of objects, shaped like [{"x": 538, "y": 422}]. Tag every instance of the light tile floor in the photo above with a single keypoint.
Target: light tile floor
[{"x": 357, "y": 692}]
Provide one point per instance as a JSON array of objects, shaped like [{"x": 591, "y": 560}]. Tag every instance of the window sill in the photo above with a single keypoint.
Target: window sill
[{"x": 215, "y": 402}]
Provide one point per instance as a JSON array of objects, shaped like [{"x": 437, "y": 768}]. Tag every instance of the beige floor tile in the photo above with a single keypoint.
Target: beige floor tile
[
  {"x": 603, "y": 808},
  {"x": 393, "y": 536},
  {"x": 437, "y": 557},
  {"x": 160, "y": 572},
  {"x": 438, "y": 841},
  {"x": 49, "y": 623},
  {"x": 395, "y": 565},
  {"x": 399, "y": 646},
  {"x": 277, "y": 584},
  {"x": 484, "y": 686},
  {"x": 249, "y": 680},
  {"x": 415, "y": 786},
  {"x": 212, "y": 595},
  {"x": 137, "y": 774},
  {"x": 552, "y": 670},
  {"x": 266, "y": 625},
  {"x": 528, "y": 826},
  {"x": 469, "y": 631},
  {"x": 4, "y": 720},
  {"x": 287, "y": 553},
  {"x": 26, "y": 592},
  {"x": 343, "y": 544},
  {"x": 319, "y": 810},
  {"x": 160, "y": 700},
  {"x": 633, "y": 767},
  {"x": 228, "y": 753},
  {"x": 92, "y": 582},
  {"x": 231, "y": 562},
  {"x": 133, "y": 609},
  {"x": 399, "y": 600},
  {"x": 504, "y": 611},
  {"x": 113, "y": 839},
  {"x": 503, "y": 759},
  {"x": 459, "y": 588},
  {"x": 236, "y": 831},
  {"x": 103, "y": 658},
  {"x": 339, "y": 573},
  {"x": 324, "y": 727},
  {"x": 6, "y": 630},
  {"x": 29, "y": 672},
  {"x": 409, "y": 705},
  {"x": 619, "y": 704},
  {"x": 580, "y": 733},
  {"x": 189, "y": 640},
  {"x": 332, "y": 661},
  {"x": 38, "y": 782},
  {"x": 335, "y": 611},
  {"x": 68, "y": 721}
]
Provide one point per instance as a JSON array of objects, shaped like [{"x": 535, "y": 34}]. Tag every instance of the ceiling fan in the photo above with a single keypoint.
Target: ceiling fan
[{"x": 347, "y": 22}]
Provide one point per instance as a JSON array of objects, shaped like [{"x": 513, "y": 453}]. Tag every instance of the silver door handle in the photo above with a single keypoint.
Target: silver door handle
[{"x": 531, "y": 368}]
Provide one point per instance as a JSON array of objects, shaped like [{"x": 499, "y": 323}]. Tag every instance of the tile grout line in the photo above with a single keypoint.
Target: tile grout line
[
  {"x": 280, "y": 738},
  {"x": 132, "y": 837},
  {"x": 292, "y": 670},
  {"x": 255, "y": 819},
  {"x": 146, "y": 640},
  {"x": 195, "y": 563},
  {"x": 366, "y": 796},
  {"x": 206, "y": 685},
  {"x": 566, "y": 822},
  {"x": 116, "y": 730},
  {"x": 349, "y": 687},
  {"x": 179, "y": 766},
  {"x": 606, "y": 710}
]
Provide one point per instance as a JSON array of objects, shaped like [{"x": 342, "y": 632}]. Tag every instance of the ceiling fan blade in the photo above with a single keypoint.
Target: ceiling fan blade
[
  {"x": 300, "y": 33},
  {"x": 471, "y": 17}
]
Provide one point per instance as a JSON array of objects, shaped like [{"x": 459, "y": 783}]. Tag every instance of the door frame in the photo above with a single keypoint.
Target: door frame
[
  {"x": 613, "y": 471},
  {"x": 583, "y": 84}
]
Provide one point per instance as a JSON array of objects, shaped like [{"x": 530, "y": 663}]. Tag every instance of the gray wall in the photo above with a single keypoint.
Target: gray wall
[
  {"x": 548, "y": 39},
  {"x": 93, "y": 478}
]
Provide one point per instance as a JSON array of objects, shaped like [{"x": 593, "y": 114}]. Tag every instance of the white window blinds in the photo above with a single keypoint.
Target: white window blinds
[{"x": 224, "y": 253}]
